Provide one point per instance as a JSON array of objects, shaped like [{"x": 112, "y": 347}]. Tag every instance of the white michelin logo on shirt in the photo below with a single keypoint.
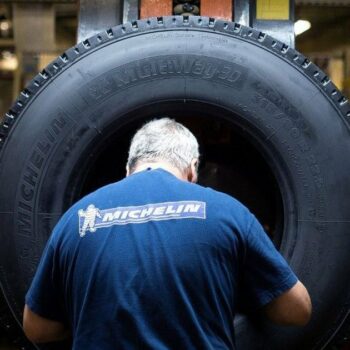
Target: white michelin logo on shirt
[
  {"x": 93, "y": 218},
  {"x": 89, "y": 216}
]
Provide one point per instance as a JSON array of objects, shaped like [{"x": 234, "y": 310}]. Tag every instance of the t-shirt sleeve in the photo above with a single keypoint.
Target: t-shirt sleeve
[
  {"x": 43, "y": 296},
  {"x": 266, "y": 274}
]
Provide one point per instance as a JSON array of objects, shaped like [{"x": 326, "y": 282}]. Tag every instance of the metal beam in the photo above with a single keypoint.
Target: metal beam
[
  {"x": 97, "y": 15},
  {"x": 273, "y": 17},
  {"x": 280, "y": 30},
  {"x": 34, "y": 27},
  {"x": 242, "y": 12},
  {"x": 131, "y": 10},
  {"x": 276, "y": 18}
]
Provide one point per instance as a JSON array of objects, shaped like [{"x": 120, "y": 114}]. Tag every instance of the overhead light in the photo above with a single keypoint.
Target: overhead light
[
  {"x": 8, "y": 61},
  {"x": 301, "y": 26},
  {"x": 4, "y": 25}
]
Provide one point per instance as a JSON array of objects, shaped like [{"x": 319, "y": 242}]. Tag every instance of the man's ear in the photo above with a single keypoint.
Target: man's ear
[{"x": 193, "y": 172}]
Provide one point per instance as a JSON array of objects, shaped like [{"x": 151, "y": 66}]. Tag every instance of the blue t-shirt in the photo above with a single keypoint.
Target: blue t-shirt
[{"x": 153, "y": 262}]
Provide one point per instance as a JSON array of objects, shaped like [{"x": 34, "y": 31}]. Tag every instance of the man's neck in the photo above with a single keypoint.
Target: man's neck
[{"x": 160, "y": 165}]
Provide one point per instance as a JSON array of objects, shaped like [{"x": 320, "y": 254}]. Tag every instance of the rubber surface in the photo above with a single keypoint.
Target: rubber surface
[{"x": 289, "y": 109}]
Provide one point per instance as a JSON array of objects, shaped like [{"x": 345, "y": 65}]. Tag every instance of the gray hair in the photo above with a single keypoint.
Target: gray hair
[{"x": 163, "y": 140}]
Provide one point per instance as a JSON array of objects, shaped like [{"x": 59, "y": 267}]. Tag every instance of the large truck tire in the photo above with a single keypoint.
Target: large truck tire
[{"x": 55, "y": 135}]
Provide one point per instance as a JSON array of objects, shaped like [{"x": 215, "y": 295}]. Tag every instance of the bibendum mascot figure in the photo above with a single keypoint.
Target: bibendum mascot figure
[{"x": 89, "y": 216}]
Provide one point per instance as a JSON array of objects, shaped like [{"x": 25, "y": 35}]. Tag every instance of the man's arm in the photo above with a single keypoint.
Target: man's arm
[
  {"x": 291, "y": 308},
  {"x": 42, "y": 330}
]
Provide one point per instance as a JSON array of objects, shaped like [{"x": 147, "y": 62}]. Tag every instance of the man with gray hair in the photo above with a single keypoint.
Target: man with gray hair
[
  {"x": 163, "y": 143},
  {"x": 161, "y": 265}
]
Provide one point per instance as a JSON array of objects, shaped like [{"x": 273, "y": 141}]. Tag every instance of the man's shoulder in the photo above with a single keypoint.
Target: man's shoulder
[
  {"x": 220, "y": 197},
  {"x": 134, "y": 190},
  {"x": 86, "y": 206},
  {"x": 102, "y": 194}
]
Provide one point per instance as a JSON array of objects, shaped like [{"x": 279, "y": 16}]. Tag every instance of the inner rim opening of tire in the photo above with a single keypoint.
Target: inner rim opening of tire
[{"x": 230, "y": 161}]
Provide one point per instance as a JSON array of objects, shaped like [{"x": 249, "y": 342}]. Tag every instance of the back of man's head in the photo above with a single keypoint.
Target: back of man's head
[{"x": 163, "y": 140}]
